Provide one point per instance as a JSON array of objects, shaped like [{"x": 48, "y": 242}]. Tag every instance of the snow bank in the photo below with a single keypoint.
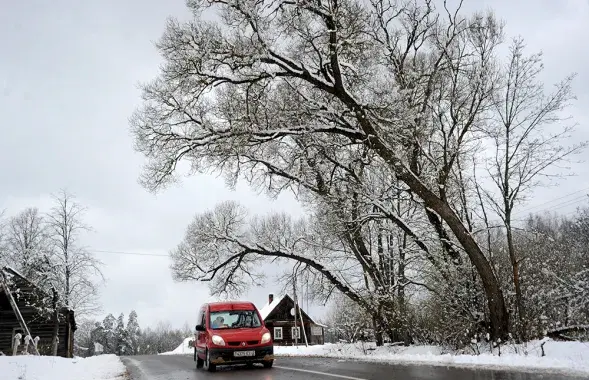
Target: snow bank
[
  {"x": 104, "y": 367},
  {"x": 184, "y": 349},
  {"x": 572, "y": 357}
]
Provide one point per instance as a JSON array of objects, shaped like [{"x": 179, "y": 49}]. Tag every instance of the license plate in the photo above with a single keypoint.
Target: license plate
[{"x": 244, "y": 353}]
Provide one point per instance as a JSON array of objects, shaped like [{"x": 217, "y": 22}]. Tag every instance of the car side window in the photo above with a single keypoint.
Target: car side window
[
  {"x": 203, "y": 318},
  {"x": 199, "y": 318}
]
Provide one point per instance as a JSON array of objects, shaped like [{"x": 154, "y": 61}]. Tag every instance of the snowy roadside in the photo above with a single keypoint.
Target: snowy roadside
[
  {"x": 183, "y": 349},
  {"x": 104, "y": 367},
  {"x": 570, "y": 357}
]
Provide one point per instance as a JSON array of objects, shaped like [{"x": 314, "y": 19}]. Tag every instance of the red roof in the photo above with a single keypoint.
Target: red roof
[{"x": 231, "y": 305}]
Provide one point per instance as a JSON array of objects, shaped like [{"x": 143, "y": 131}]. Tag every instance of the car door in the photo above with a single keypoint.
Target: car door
[{"x": 201, "y": 335}]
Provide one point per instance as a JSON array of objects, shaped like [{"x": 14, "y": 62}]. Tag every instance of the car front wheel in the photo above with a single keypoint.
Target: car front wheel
[
  {"x": 207, "y": 363},
  {"x": 268, "y": 364}
]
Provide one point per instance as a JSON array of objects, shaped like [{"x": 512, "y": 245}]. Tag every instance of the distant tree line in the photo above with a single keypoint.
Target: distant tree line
[{"x": 125, "y": 338}]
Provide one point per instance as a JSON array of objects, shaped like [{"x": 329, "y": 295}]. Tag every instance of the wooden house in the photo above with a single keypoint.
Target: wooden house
[
  {"x": 27, "y": 297},
  {"x": 279, "y": 316}
]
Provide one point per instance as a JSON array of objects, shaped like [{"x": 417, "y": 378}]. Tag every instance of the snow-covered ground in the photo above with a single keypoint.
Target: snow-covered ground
[
  {"x": 183, "y": 349},
  {"x": 560, "y": 356},
  {"x": 572, "y": 357},
  {"x": 104, "y": 367}
]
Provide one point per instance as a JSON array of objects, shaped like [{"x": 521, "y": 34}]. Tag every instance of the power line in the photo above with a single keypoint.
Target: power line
[
  {"x": 521, "y": 215},
  {"x": 529, "y": 209},
  {"x": 533, "y": 209},
  {"x": 129, "y": 253},
  {"x": 558, "y": 206}
]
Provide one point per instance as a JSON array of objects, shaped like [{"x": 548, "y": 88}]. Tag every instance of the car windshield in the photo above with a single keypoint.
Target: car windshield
[{"x": 234, "y": 319}]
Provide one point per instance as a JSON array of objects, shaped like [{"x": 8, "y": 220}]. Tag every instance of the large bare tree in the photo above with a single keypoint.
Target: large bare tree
[{"x": 317, "y": 97}]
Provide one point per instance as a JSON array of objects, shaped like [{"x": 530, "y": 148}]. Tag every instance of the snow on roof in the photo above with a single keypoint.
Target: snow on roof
[
  {"x": 269, "y": 307},
  {"x": 10, "y": 270},
  {"x": 13, "y": 271}
]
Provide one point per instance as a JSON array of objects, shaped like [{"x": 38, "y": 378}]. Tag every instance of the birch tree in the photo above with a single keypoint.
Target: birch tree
[{"x": 76, "y": 271}]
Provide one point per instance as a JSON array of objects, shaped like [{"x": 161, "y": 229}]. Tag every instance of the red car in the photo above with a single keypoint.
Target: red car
[{"x": 230, "y": 333}]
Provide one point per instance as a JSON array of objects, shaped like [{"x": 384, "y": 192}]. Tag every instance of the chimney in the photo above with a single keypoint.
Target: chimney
[{"x": 270, "y": 298}]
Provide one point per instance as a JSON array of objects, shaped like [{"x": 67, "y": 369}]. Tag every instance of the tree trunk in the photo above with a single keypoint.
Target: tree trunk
[
  {"x": 519, "y": 303},
  {"x": 499, "y": 317},
  {"x": 377, "y": 331},
  {"x": 297, "y": 308},
  {"x": 401, "y": 294},
  {"x": 495, "y": 301},
  {"x": 296, "y": 338},
  {"x": 67, "y": 291},
  {"x": 55, "y": 335}
]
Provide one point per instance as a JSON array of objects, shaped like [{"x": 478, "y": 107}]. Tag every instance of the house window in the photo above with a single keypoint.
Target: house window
[
  {"x": 203, "y": 320},
  {"x": 277, "y": 333},
  {"x": 296, "y": 332},
  {"x": 316, "y": 330}
]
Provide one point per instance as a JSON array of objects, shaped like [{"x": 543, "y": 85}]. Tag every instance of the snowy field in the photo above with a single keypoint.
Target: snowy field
[
  {"x": 104, "y": 367},
  {"x": 571, "y": 357}
]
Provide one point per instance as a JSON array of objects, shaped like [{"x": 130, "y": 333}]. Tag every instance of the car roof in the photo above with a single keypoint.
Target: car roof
[{"x": 231, "y": 305}]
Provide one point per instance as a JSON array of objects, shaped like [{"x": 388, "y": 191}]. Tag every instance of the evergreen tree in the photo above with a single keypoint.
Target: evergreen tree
[
  {"x": 109, "y": 340},
  {"x": 96, "y": 336},
  {"x": 121, "y": 337},
  {"x": 134, "y": 332}
]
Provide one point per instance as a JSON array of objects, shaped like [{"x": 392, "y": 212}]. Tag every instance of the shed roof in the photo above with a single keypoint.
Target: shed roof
[{"x": 66, "y": 310}]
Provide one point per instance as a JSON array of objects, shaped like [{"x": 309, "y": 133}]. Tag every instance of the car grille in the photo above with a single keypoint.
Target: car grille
[{"x": 248, "y": 342}]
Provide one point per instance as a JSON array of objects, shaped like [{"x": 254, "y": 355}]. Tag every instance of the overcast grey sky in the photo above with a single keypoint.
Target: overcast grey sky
[{"x": 68, "y": 75}]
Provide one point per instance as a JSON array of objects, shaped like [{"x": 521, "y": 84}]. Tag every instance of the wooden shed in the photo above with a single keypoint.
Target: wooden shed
[
  {"x": 27, "y": 296},
  {"x": 278, "y": 315}
]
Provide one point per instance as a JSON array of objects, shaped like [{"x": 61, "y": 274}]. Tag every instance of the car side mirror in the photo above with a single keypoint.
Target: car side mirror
[{"x": 199, "y": 328}]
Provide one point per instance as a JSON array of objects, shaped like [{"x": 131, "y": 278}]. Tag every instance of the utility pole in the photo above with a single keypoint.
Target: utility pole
[
  {"x": 294, "y": 291},
  {"x": 297, "y": 308}
]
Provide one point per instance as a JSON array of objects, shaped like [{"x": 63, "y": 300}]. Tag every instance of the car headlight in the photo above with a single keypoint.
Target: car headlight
[
  {"x": 266, "y": 338},
  {"x": 218, "y": 340}
]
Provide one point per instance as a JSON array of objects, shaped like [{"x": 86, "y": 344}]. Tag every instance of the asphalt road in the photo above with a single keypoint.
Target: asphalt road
[{"x": 181, "y": 367}]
